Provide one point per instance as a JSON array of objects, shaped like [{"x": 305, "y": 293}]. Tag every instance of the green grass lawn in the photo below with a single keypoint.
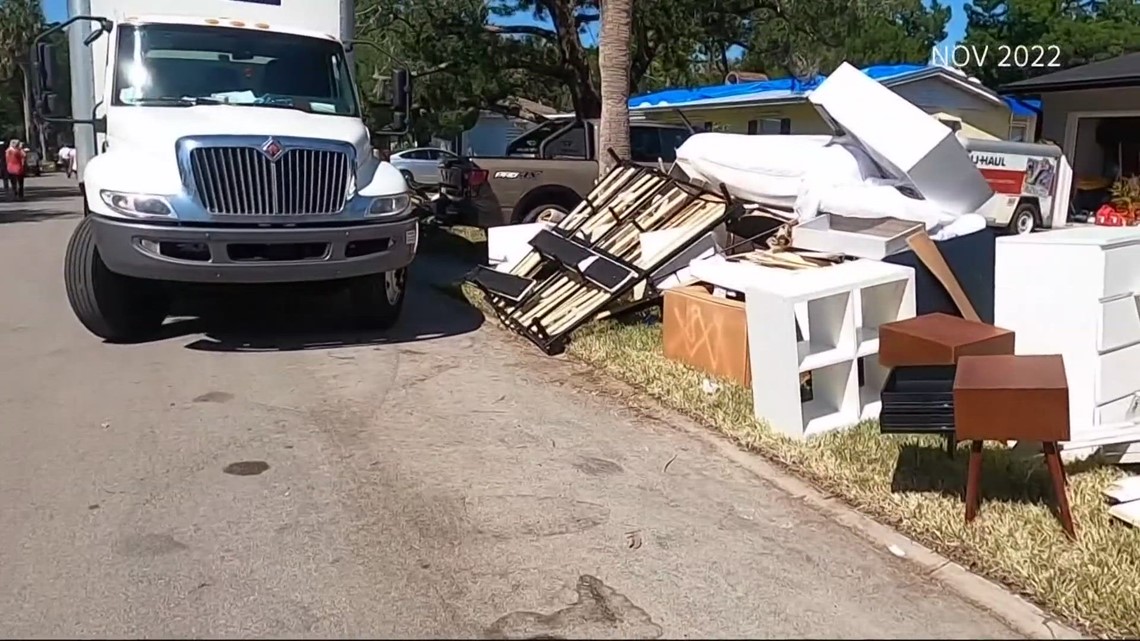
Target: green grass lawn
[{"x": 907, "y": 482}]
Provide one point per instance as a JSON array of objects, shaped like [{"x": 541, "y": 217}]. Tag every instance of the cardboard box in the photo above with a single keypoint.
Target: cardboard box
[{"x": 706, "y": 332}]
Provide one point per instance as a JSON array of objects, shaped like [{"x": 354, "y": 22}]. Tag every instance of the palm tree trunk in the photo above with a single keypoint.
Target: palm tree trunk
[{"x": 614, "y": 66}]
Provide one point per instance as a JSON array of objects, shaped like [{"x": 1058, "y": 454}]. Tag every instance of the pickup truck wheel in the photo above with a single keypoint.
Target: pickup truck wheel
[
  {"x": 552, "y": 214},
  {"x": 378, "y": 299},
  {"x": 116, "y": 308}
]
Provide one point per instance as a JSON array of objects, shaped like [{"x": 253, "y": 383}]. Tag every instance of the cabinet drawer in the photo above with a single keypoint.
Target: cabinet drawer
[
  {"x": 1121, "y": 411},
  {"x": 1119, "y": 323},
  {"x": 1117, "y": 374},
  {"x": 1121, "y": 270}
]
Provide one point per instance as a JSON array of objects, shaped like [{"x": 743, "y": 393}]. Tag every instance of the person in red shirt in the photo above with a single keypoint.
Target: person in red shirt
[{"x": 14, "y": 160}]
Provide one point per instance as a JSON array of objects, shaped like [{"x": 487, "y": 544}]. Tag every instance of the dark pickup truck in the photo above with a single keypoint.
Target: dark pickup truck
[{"x": 545, "y": 174}]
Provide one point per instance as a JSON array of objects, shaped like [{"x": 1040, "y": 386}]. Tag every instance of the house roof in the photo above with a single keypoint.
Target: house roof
[
  {"x": 1121, "y": 71},
  {"x": 789, "y": 90}
]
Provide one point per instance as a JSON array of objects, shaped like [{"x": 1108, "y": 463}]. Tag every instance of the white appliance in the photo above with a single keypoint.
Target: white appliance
[{"x": 1076, "y": 292}]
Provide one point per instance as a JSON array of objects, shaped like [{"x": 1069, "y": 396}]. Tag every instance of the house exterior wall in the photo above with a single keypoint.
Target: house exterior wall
[
  {"x": 1056, "y": 107},
  {"x": 932, "y": 95}
]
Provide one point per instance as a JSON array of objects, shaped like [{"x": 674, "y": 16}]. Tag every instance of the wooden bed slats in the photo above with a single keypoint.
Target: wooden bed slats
[{"x": 592, "y": 260}]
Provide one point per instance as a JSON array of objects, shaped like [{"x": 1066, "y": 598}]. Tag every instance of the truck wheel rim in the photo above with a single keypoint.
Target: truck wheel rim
[
  {"x": 393, "y": 286},
  {"x": 1025, "y": 225}
]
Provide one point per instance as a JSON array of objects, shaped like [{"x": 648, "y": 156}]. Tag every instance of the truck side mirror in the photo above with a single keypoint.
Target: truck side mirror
[
  {"x": 45, "y": 65},
  {"x": 401, "y": 91}
]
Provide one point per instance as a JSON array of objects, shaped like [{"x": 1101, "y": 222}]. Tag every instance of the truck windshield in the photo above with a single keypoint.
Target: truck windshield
[{"x": 182, "y": 65}]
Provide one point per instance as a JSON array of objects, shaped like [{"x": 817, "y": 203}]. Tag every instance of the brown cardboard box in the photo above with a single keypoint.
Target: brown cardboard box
[{"x": 706, "y": 332}]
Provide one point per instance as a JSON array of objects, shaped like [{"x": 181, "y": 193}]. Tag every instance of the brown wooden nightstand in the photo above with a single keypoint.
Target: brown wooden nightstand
[
  {"x": 939, "y": 339},
  {"x": 1013, "y": 398},
  {"x": 922, "y": 352}
]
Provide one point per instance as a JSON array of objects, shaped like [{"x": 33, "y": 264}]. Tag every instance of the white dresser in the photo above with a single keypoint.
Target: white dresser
[{"x": 1076, "y": 292}]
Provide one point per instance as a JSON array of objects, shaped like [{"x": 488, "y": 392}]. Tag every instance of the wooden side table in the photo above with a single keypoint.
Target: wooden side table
[
  {"x": 1013, "y": 398},
  {"x": 918, "y": 397},
  {"x": 939, "y": 339}
]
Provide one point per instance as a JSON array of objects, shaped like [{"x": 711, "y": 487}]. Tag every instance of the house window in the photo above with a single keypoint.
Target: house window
[
  {"x": 1019, "y": 131},
  {"x": 769, "y": 126}
]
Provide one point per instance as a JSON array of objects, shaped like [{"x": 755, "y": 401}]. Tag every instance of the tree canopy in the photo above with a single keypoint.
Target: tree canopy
[
  {"x": 493, "y": 51},
  {"x": 1081, "y": 30},
  {"x": 20, "y": 22}
]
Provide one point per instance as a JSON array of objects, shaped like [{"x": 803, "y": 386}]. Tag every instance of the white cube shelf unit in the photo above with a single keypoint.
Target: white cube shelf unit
[{"x": 823, "y": 322}]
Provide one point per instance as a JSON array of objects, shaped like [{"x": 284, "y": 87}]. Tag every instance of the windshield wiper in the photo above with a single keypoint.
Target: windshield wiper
[{"x": 184, "y": 101}]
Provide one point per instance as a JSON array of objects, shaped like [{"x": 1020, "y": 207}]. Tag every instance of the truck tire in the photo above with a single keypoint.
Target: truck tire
[
  {"x": 116, "y": 308},
  {"x": 378, "y": 299},
  {"x": 1024, "y": 219}
]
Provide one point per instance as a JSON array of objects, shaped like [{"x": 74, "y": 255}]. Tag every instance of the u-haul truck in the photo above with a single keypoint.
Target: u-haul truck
[{"x": 1025, "y": 178}]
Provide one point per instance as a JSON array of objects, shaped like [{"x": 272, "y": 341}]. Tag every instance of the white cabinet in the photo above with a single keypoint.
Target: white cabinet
[
  {"x": 821, "y": 322},
  {"x": 1076, "y": 292}
]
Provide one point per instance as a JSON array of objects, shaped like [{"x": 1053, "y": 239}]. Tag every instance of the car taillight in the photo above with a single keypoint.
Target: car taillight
[{"x": 476, "y": 177}]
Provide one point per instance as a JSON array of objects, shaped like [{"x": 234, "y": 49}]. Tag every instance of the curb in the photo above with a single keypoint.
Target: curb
[{"x": 1019, "y": 614}]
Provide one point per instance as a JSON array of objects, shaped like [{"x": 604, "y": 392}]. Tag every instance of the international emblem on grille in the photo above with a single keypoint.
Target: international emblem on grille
[{"x": 272, "y": 149}]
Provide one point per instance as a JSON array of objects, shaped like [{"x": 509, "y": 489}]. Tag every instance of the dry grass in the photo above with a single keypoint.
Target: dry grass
[{"x": 911, "y": 484}]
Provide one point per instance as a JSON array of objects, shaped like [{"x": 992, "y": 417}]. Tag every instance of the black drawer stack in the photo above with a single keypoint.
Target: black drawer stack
[{"x": 919, "y": 400}]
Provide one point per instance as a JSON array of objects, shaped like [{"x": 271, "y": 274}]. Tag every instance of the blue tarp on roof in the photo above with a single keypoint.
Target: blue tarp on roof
[
  {"x": 1021, "y": 107},
  {"x": 782, "y": 87}
]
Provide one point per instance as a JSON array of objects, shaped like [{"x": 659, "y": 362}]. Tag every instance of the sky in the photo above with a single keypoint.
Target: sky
[{"x": 56, "y": 10}]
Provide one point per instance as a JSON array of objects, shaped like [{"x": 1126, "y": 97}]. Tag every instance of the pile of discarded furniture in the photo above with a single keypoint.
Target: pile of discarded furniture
[{"x": 843, "y": 278}]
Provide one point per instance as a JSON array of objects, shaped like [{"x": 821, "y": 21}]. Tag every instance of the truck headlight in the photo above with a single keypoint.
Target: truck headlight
[
  {"x": 137, "y": 205},
  {"x": 388, "y": 205}
]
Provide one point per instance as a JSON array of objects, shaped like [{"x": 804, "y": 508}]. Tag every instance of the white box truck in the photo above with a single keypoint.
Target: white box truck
[{"x": 222, "y": 141}]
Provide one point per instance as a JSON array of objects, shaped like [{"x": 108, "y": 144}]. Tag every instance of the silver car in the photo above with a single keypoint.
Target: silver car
[{"x": 421, "y": 166}]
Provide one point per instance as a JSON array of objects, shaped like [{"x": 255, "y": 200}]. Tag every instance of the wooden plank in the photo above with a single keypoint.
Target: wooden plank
[{"x": 1125, "y": 490}]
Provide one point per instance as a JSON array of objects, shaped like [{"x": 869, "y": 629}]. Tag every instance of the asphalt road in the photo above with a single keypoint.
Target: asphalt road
[{"x": 252, "y": 476}]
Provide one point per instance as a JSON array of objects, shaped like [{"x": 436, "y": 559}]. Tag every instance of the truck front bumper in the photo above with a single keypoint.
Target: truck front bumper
[{"x": 253, "y": 254}]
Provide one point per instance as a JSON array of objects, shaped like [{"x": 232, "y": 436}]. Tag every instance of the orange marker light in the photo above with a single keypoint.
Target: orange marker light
[
  {"x": 211, "y": 21},
  {"x": 237, "y": 23},
  {"x": 261, "y": 25}
]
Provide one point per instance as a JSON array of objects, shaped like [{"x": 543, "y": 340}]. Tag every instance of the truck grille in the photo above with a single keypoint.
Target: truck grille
[{"x": 243, "y": 181}]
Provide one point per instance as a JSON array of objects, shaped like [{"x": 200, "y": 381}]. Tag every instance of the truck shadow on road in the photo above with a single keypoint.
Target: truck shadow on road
[
  {"x": 41, "y": 203},
  {"x": 244, "y": 320}
]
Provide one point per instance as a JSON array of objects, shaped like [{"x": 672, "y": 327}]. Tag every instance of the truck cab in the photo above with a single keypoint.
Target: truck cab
[{"x": 224, "y": 150}]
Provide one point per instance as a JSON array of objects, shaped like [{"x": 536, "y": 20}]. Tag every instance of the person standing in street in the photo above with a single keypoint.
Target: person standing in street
[
  {"x": 14, "y": 160},
  {"x": 7, "y": 181},
  {"x": 65, "y": 155}
]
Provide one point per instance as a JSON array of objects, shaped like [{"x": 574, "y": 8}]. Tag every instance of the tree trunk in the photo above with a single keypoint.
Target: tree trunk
[{"x": 614, "y": 67}]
